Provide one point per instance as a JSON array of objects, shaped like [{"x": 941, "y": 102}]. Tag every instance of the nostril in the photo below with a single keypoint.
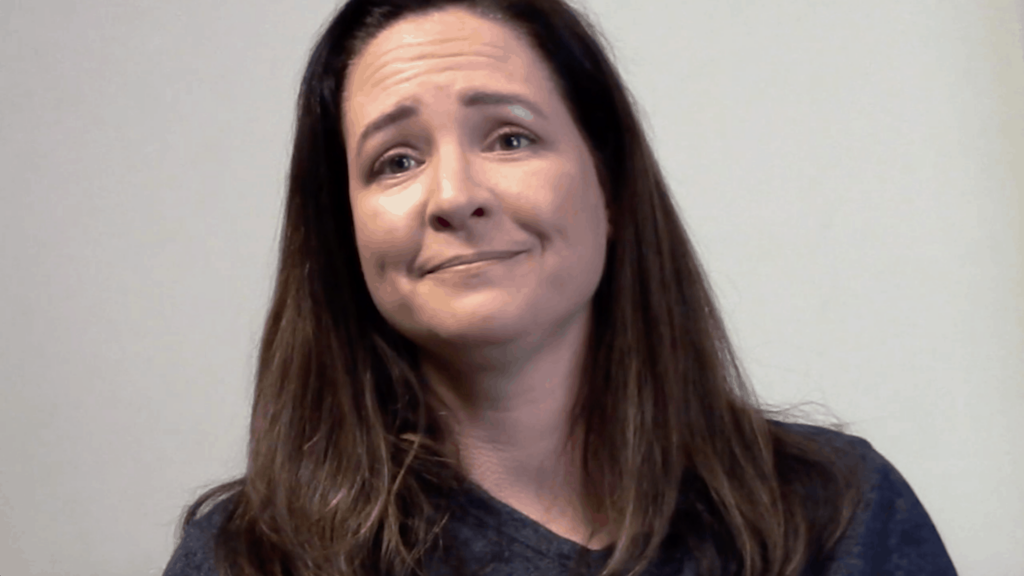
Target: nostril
[{"x": 443, "y": 222}]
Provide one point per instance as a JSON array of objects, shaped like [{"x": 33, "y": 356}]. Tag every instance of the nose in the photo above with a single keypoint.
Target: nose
[{"x": 457, "y": 200}]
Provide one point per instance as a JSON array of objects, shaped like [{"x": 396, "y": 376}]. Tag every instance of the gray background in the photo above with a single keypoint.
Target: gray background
[{"x": 851, "y": 171}]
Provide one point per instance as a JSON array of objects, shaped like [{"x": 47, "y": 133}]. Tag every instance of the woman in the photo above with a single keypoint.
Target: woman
[{"x": 491, "y": 348}]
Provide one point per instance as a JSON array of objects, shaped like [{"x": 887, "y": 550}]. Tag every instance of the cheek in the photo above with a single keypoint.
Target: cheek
[
  {"x": 576, "y": 205},
  {"x": 385, "y": 233},
  {"x": 554, "y": 193},
  {"x": 565, "y": 201}
]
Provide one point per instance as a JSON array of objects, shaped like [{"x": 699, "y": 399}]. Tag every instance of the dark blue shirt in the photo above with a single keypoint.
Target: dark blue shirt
[{"x": 891, "y": 535}]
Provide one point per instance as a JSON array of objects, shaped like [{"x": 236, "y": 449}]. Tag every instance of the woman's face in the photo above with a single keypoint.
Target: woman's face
[{"x": 459, "y": 143}]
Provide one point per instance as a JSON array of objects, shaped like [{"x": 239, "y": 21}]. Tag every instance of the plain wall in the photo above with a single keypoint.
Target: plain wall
[{"x": 852, "y": 173}]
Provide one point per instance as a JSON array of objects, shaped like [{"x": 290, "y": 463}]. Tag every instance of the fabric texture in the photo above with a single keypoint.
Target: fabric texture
[{"x": 892, "y": 534}]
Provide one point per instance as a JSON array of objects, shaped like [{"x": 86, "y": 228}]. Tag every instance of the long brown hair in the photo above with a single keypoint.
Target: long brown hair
[{"x": 347, "y": 472}]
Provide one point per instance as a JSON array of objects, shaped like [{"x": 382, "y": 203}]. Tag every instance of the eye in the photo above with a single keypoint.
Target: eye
[
  {"x": 512, "y": 139},
  {"x": 394, "y": 164}
]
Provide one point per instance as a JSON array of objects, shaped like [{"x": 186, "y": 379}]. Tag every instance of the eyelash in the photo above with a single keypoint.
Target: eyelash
[{"x": 379, "y": 166}]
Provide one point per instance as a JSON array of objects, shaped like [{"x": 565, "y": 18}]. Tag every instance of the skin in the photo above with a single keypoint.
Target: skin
[{"x": 502, "y": 342}]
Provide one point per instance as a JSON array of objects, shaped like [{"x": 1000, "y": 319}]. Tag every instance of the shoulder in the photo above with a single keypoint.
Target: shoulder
[
  {"x": 859, "y": 445},
  {"x": 891, "y": 532},
  {"x": 194, "y": 555}
]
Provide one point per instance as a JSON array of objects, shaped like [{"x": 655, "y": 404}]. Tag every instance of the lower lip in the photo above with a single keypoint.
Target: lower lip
[{"x": 475, "y": 265}]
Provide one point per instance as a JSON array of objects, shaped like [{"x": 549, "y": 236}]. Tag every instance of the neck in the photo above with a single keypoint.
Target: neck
[{"x": 508, "y": 411}]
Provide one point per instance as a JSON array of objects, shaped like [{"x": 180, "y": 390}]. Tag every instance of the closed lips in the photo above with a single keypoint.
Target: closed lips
[{"x": 471, "y": 258}]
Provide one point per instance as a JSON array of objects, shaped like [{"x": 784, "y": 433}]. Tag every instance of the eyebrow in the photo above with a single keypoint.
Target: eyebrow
[
  {"x": 405, "y": 111},
  {"x": 500, "y": 99}
]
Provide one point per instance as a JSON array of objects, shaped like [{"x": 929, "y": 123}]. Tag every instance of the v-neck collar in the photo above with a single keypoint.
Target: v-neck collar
[{"x": 511, "y": 522}]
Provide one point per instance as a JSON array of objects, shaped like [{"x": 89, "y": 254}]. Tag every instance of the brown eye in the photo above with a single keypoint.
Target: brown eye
[
  {"x": 514, "y": 140},
  {"x": 395, "y": 164}
]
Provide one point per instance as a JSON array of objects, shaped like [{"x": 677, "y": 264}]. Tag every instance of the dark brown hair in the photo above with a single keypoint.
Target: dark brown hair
[{"x": 347, "y": 471}]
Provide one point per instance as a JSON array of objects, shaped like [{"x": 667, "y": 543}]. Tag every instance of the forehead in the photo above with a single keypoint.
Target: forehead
[{"x": 453, "y": 49}]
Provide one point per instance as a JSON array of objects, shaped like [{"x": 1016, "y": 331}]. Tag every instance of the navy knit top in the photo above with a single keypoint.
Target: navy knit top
[{"x": 891, "y": 535}]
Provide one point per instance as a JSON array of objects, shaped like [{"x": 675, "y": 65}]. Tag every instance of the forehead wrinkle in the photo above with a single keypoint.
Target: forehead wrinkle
[
  {"x": 399, "y": 65},
  {"x": 396, "y": 58},
  {"x": 437, "y": 39},
  {"x": 384, "y": 84}
]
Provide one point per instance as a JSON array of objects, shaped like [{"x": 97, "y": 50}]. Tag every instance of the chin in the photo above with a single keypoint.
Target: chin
[{"x": 470, "y": 326}]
